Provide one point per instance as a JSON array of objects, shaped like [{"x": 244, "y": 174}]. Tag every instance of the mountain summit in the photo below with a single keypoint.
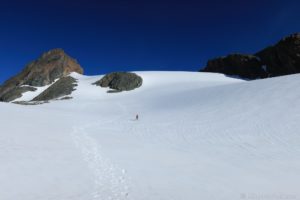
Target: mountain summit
[{"x": 50, "y": 66}]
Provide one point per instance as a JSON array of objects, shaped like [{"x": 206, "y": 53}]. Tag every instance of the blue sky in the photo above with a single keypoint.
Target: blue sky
[{"x": 118, "y": 35}]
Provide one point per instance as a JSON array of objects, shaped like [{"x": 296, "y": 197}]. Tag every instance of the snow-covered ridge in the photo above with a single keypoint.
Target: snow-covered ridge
[
  {"x": 150, "y": 79},
  {"x": 199, "y": 136}
]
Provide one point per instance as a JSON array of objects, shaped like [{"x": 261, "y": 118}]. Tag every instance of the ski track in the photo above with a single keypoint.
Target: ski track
[{"x": 110, "y": 182}]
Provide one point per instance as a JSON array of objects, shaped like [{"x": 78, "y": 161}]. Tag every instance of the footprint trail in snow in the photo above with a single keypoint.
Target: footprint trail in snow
[{"x": 110, "y": 182}]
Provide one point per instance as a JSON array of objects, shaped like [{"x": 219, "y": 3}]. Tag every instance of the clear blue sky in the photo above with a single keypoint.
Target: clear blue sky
[{"x": 140, "y": 35}]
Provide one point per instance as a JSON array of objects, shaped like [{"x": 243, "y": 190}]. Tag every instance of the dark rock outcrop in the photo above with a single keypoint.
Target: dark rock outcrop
[
  {"x": 246, "y": 66},
  {"x": 283, "y": 58},
  {"x": 29, "y": 103},
  {"x": 64, "y": 86},
  {"x": 16, "y": 93},
  {"x": 280, "y": 59},
  {"x": 120, "y": 81},
  {"x": 50, "y": 66}
]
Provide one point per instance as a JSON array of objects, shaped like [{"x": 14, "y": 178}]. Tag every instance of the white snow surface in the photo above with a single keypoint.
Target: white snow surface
[{"x": 200, "y": 136}]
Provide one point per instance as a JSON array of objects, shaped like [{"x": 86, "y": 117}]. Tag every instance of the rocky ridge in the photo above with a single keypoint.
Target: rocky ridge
[
  {"x": 63, "y": 87},
  {"x": 281, "y": 59}
]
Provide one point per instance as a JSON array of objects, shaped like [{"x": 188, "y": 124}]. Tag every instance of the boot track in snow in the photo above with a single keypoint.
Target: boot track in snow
[{"x": 110, "y": 182}]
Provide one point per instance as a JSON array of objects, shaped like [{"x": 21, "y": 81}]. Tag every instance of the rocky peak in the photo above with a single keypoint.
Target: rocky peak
[
  {"x": 50, "y": 66},
  {"x": 45, "y": 70}
]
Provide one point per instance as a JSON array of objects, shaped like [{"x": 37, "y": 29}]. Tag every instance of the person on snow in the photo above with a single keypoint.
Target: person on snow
[{"x": 137, "y": 117}]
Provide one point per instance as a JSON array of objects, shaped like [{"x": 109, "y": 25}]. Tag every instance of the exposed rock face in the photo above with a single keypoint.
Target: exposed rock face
[
  {"x": 280, "y": 59},
  {"x": 51, "y": 65},
  {"x": 283, "y": 58},
  {"x": 64, "y": 86},
  {"x": 29, "y": 103},
  {"x": 120, "y": 81},
  {"x": 246, "y": 66},
  {"x": 16, "y": 93}
]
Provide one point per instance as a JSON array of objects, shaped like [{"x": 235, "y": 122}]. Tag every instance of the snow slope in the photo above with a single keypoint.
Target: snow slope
[{"x": 199, "y": 136}]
